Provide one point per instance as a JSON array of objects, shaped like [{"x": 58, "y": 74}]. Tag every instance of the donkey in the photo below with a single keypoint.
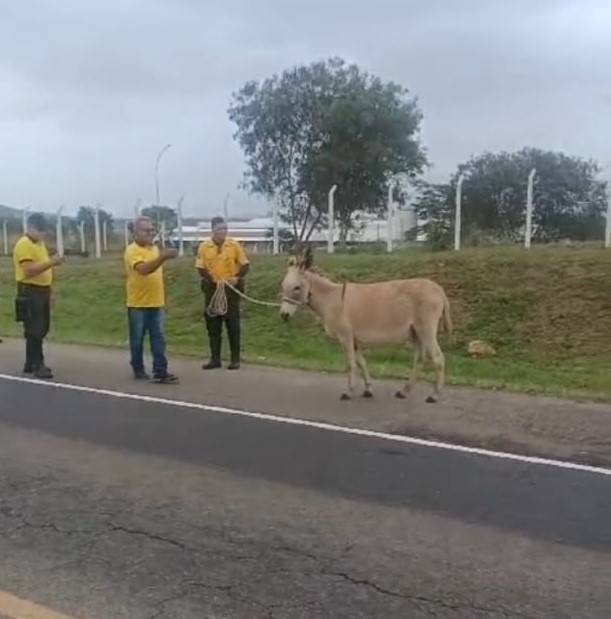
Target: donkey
[{"x": 399, "y": 312}]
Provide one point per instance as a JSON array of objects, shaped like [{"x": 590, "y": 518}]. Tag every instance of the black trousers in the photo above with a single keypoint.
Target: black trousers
[
  {"x": 214, "y": 324},
  {"x": 36, "y": 325}
]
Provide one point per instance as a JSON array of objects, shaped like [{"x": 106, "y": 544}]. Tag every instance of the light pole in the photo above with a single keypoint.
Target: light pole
[
  {"x": 181, "y": 236},
  {"x": 162, "y": 234},
  {"x": 105, "y": 235},
  {"x": 226, "y": 207},
  {"x": 59, "y": 231},
  {"x": 137, "y": 208},
  {"x": 81, "y": 230},
  {"x": 529, "y": 208},
  {"x": 24, "y": 218},
  {"x": 331, "y": 238},
  {"x": 96, "y": 225},
  {"x": 608, "y": 220},
  {"x": 276, "y": 243},
  {"x": 163, "y": 150},
  {"x": 390, "y": 207},
  {"x": 458, "y": 213},
  {"x": 5, "y": 236}
]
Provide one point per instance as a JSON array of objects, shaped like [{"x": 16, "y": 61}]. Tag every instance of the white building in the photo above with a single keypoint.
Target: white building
[
  {"x": 253, "y": 234},
  {"x": 256, "y": 234}
]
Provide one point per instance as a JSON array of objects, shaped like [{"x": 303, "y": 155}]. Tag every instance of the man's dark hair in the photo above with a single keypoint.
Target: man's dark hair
[
  {"x": 216, "y": 221},
  {"x": 38, "y": 221}
]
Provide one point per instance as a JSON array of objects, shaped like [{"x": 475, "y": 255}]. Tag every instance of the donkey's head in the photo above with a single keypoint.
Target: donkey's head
[{"x": 295, "y": 285}]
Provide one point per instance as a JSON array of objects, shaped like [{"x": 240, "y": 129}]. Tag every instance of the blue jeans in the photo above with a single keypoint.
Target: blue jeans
[{"x": 141, "y": 321}]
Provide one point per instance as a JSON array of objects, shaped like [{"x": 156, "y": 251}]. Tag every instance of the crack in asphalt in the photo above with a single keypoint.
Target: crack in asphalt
[
  {"x": 322, "y": 569},
  {"x": 142, "y": 533}
]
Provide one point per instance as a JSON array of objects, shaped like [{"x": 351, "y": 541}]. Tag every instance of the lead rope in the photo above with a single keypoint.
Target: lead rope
[{"x": 218, "y": 302}]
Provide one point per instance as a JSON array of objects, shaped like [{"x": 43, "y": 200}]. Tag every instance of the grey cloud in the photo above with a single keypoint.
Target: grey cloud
[{"x": 90, "y": 91}]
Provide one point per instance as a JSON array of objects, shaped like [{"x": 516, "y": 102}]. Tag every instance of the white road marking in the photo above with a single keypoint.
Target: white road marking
[{"x": 319, "y": 425}]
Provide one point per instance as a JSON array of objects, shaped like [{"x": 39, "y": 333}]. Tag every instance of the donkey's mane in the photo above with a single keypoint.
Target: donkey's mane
[{"x": 321, "y": 273}]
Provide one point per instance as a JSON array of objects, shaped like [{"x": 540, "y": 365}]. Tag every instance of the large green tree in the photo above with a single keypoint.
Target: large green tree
[
  {"x": 324, "y": 124},
  {"x": 569, "y": 199}
]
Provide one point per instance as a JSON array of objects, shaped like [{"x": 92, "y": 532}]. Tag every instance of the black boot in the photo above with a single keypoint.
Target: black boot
[{"x": 211, "y": 365}]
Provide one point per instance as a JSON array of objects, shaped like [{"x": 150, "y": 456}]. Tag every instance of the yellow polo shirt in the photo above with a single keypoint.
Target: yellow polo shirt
[
  {"x": 143, "y": 290},
  {"x": 223, "y": 262},
  {"x": 26, "y": 250}
]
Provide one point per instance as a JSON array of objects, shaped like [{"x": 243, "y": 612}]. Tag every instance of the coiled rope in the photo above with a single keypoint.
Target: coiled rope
[{"x": 218, "y": 302}]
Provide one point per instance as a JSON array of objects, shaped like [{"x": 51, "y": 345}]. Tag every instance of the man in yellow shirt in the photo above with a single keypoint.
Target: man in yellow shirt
[
  {"x": 146, "y": 300},
  {"x": 34, "y": 277},
  {"x": 222, "y": 259}
]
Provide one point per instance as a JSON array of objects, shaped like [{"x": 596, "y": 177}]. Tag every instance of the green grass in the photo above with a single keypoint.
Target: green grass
[{"x": 546, "y": 311}]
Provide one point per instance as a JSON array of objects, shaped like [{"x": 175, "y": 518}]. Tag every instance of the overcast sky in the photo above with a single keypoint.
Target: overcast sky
[{"x": 91, "y": 91}]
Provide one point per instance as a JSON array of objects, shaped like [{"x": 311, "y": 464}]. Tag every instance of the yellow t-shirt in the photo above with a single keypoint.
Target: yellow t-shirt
[
  {"x": 143, "y": 290},
  {"x": 221, "y": 262},
  {"x": 26, "y": 250}
]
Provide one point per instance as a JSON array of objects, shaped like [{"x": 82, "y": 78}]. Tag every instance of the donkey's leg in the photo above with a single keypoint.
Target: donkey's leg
[
  {"x": 362, "y": 363},
  {"x": 413, "y": 375},
  {"x": 438, "y": 359},
  {"x": 348, "y": 344}
]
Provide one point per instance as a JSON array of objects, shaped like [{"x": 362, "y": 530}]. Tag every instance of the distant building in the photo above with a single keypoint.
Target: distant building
[
  {"x": 253, "y": 234},
  {"x": 256, "y": 234}
]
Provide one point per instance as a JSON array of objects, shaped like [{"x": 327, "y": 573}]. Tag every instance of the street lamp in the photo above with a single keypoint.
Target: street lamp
[
  {"x": 608, "y": 217},
  {"x": 137, "y": 208},
  {"x": 59, "y": 232},
  {"x": 24, "y": 218},
  {"x": 390, "y": 215},
  {"x": 529, "y": 208},
  {"x": 163, "y": 150},
  {"x": 96, "y": 230},
  {"x": 181, "y": 234},
  {"x": 5, "y": 237},
  {"x": 458, "y": 213},
  {"x": 331, "y": 232},
  {"x": 276, "y": 229}
]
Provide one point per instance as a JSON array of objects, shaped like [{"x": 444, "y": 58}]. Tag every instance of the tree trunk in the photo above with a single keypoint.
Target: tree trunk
[{"x": 343, "y": 236}]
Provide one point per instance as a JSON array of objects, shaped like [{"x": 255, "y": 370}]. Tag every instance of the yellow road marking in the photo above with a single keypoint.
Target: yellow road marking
[{"x": 15, "y": 608}]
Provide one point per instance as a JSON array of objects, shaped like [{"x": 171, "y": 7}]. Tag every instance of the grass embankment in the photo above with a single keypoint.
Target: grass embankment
[{"x": 547, "y": 312}]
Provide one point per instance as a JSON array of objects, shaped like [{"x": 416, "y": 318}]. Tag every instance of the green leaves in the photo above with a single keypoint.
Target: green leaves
[
  {"x": 323, "y": 124},
  {"x": 568, "y": 202}
]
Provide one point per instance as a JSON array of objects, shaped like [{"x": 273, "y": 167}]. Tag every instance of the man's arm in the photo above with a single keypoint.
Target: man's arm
[
  {"x": 244, "y": 264},
  {"x": 205, "y": 275},
  {"x": 243, "y": 271},
  {"x": 146, "y": 268},
  {"x": 33, "y": 269}
]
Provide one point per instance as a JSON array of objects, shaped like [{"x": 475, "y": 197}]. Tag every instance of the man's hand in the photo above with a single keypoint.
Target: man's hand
[
  {"x": 169, "y": 253},
  {"x": 233, "y": 281},
  {"x": 56, "y": 260}
]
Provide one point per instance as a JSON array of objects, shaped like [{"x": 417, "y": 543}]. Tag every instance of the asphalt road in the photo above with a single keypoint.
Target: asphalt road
[{"x": 113, "y": 508}]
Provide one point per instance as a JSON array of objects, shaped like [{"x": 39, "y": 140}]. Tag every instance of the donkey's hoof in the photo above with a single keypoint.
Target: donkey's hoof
[
  {"x": 400, "y": 395},
  {"x": 345, "y": 397},
  {"x": 367, "y": 394},
  {"x": 432, "y": 399}
]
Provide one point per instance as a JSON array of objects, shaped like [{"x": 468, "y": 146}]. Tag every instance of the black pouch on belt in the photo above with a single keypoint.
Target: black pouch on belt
[{"x": 23, "y": 309}]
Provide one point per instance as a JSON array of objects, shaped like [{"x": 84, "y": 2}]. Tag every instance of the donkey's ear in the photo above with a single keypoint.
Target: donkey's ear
[{"x": 308, "y": 258}]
